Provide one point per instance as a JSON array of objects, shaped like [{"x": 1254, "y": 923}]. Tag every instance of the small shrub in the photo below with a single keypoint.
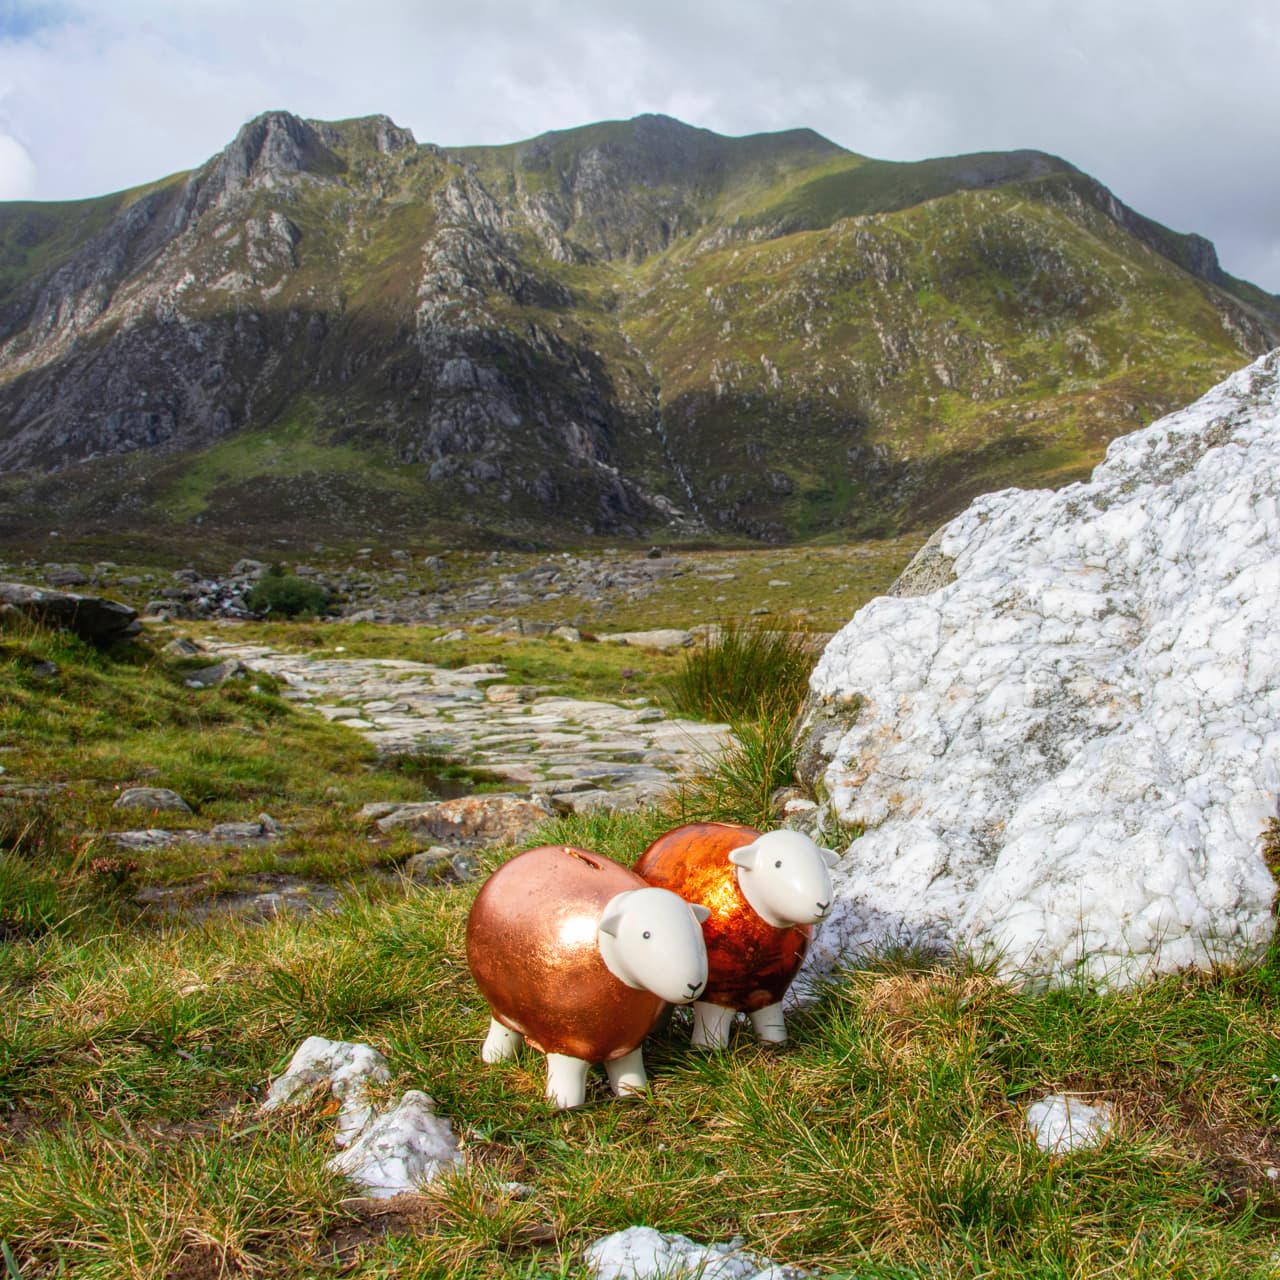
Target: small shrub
[
  {"x": 746, "y": 672},
  {"x": 285, "y": 595}
]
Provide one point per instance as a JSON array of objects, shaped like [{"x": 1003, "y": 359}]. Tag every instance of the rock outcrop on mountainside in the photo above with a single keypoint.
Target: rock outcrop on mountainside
[
  {"x": 626, "y": 329},
  {"x": 1062, "y": 734}
]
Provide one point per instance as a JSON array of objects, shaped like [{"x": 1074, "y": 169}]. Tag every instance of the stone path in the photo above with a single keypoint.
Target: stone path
[{"x": 582, "y": 755}]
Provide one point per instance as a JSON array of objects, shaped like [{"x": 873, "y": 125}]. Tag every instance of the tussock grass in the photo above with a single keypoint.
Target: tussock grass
[
  {"x": 755, "y": 678},
  {"x": 744, "y": 671},
  {"x": 739, "y": 784}
]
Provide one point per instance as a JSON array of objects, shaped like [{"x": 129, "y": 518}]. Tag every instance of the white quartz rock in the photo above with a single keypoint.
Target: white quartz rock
[
  {"x": 1061, "y": 1124},
  {"x": 347, "y": 1068},
  {"x": 641, "y": 1253},
  {"x": 1066, "y": 755},
  {"x": 401, "y": 1150}
]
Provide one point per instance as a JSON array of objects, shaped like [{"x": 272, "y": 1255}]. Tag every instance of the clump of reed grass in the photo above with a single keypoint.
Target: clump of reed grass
[
  {"x": 745, "y": 671},
  {"x": 754, "y": 677},
  {"x": 739, "y": 783}
]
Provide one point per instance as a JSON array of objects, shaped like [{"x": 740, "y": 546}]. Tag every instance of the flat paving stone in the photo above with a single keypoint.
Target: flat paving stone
[{"x": 614, "y": 756}]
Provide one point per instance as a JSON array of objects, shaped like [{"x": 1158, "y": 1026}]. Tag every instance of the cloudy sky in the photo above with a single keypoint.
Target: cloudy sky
[{"x": 1174, "y": 104}]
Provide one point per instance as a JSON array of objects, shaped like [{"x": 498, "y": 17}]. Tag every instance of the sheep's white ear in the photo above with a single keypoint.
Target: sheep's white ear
[
  {"x": 744, "y": 857},
  {"x": 611, "y": 920},
  {"x": 829, "y": 857},
  {"x": 700, "y": 913}
]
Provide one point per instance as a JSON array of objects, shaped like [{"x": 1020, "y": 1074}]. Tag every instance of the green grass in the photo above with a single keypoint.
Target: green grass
[
  {"x": 885, "y": 1140},
  {"x": 885, "y": 186},
  {"x": 816, "y": 587},
  {"x": 104, "y": 722},
  {"x": 887, "y": 1135},
  {"x": 288, "y": 450},
  {"x": 607, "y": 672},
  {"x": 755, "y": 678},
  {"x": 739, "y": 785},
  {"x": 746, "y": 670}
]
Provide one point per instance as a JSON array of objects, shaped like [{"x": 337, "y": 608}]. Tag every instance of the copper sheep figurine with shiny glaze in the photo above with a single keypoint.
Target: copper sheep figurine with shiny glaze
[
  {"x": 764, "y": 893},
  {"x": 579, "y": 957}
]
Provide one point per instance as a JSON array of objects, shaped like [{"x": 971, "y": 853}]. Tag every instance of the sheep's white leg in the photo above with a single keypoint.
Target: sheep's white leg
[
  {"x": 770, "y": 1025},
  {"x": 501, "y": 1043},
  {"x": 711, "y": 1023},
  {"x": 566, "y": 1080},
  {"x": 626, "y": 1075}
]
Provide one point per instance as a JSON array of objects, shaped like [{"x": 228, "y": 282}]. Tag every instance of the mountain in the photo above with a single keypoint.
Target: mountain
[{"x": 631, "y": 329}]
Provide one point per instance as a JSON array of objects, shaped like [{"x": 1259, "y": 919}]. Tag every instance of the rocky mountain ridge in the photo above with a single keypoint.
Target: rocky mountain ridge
[{"x": 630, "y": 329}]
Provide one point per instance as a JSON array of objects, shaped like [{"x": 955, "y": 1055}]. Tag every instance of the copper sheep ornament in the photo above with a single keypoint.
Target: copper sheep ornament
[
  {"x": 578, "y": 956},
  {"x": 763, "y": 894}
]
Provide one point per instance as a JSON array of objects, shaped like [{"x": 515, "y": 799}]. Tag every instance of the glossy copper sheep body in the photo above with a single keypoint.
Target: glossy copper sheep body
[
  {"x": 548, "y": 942},
  {"x": 764, "y": 893}
]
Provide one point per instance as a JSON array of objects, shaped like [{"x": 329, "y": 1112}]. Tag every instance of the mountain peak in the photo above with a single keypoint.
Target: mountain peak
[
  {"x": 275, "y": 141},
  {"x": 657, "y": 120},
  {"x": 802, "y": 341},
  {"x": 378, "y": 132},
  {"x": 272, "y": 148}
]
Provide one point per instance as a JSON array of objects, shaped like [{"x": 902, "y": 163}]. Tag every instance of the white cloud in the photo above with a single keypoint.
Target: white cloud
[{"x": 17, "y": 170}]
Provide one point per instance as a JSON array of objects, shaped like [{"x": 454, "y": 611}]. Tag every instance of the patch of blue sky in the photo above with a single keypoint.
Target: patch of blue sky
[{"x": 20, "y": 19}]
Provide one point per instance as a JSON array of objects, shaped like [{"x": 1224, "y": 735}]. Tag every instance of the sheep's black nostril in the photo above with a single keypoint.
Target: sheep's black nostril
[
  {"x": 822, "y": 906},
  {"x": 694, "y": 987}
]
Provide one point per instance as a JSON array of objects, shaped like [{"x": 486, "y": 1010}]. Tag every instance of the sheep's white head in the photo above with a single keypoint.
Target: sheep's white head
[
  {"x": 651, "y": 939},
  {"x": 785, "y": 878}
]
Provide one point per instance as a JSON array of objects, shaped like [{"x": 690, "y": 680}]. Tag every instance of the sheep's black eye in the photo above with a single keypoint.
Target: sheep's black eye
[
  {"x": 778, "y": 863},
  {"x": 647, "y": 934}
]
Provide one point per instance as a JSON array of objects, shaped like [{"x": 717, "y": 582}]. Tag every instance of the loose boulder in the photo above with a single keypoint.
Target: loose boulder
[
  {"x": 643, "y": 1253},
  {"x": 1061, "y": 1124},
  {"x": 156, "y": 799},
  {"x": 1063, "y": 740},
  {"x": 217, "y": 675},
  {"x": 471, "y": 822},
  {"x": 347, "y": 1069},
  {"x": 387, "y": 1151},
  {"x": 401, "y": 1150},
  {"x": 663, "y": 638},
  {"x": 92, "y": 618}
]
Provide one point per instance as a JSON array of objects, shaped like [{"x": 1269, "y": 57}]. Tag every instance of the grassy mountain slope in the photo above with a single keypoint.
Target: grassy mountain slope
[
  {"x": 878, "y": 371},
  {"x": 631, "y": 329}
]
